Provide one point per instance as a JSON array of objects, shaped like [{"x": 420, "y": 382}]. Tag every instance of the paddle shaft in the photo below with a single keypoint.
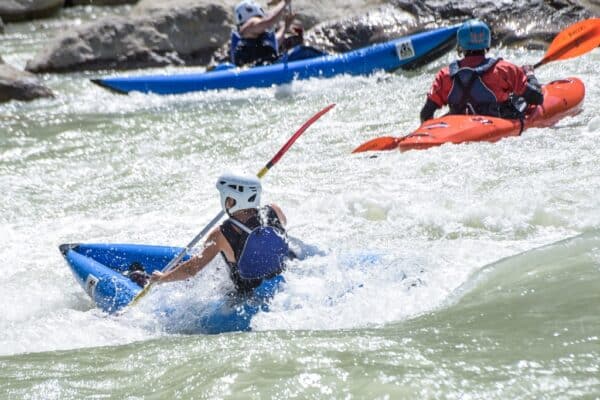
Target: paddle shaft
[{"x": 175, "y": 261}]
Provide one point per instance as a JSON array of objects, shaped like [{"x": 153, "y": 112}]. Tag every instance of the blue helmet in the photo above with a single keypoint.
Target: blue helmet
[{"x": 474, "y": 35}]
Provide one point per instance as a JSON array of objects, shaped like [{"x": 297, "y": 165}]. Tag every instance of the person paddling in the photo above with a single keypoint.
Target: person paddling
[
  {"x": 255, "y": 42},
  {"x": 476, "y": 84},
  {"x": 253, "y": 241}
]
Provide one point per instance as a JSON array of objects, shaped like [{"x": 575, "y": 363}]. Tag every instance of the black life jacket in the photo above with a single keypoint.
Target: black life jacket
[
  {"x": 470, "y": 95},
  {"x": 259, "y": 246},
  {"x": 259, "y": 51}
]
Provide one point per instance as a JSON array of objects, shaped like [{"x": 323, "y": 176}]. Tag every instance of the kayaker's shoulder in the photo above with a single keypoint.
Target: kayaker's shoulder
[
  {"x": 444, "y": 72},
  {"x": 509, "y": 66}
]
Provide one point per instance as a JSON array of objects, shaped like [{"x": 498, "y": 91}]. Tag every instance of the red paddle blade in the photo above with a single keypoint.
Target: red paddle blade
[
  {"x": 378, "y": 144},
  {"x": 573, "y": 41}
]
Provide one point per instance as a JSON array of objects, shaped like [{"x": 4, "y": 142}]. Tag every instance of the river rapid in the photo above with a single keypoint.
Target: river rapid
[{"x": 460, "y": 272}]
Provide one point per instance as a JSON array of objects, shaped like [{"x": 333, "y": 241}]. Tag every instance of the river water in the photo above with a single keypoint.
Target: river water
[{"x": 461, "y": 272}]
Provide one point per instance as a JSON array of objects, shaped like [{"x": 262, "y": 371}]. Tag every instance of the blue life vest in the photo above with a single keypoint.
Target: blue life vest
[
  {"x": 469, "y": 95},
  {"x": 264, "y": 252},
  {"x": 262, "y": 50},
  {"x": 260, "y": 248}
]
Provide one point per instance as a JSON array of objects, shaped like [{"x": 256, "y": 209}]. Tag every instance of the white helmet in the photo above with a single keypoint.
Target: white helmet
[
  {"x": 244, "y": 189},
  {"x": 246, "y": 10}
]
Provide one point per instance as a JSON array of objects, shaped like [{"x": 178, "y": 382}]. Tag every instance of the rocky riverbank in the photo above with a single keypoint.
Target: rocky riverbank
[
  {"x": 155, "y": 33},
  {"x": 20, "y": 85},
  {"x": 189, "y": 32}
]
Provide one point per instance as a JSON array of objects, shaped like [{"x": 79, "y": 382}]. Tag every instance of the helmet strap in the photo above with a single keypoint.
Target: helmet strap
[{"x": 231, "y": 206}]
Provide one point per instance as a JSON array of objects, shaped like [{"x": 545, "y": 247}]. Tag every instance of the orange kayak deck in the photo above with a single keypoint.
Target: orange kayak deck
[{"x": 562, "y": 98}]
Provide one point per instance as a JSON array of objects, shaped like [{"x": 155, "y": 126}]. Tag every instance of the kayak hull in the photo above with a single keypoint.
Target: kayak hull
[
  {"x": 562, "y": 98},
  {"x": 406, "y": 52},
  {"x": 99, "y": 270}
]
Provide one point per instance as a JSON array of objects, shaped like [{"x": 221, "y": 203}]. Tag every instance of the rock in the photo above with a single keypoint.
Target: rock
[
  {"x": 310, "y": 12},
  {"x": 20, "y": 85},
  {"x": 170, "y": 36},
  {"x": 592, "y": 5},
  {"x": 22, "y": 10},
  {"x": 72, "y": 3},
  {"x": 159, "y": 7},
  {"x": 532, "y": 24},
  {"x": 1, "y": 26}
]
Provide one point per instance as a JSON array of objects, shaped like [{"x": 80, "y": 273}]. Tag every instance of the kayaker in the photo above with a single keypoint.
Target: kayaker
[
  {"x": 255, "y": 41},
  {"x": 476, "y": 84},
  {"x": 252, "y": 241}
]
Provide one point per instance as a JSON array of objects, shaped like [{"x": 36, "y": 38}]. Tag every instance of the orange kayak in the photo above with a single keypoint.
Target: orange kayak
[{"x": 562, "y": 98}]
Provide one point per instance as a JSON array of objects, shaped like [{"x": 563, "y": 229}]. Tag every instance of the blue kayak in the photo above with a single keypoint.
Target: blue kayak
[
  {"x": 407, "y": 52},
  {"x": 101, "y": 269}
]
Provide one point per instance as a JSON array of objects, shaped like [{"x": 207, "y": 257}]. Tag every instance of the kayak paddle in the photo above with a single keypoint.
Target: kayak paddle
[
  {"x": 573, "y": 41},
  {"x": 175, "y": 261}
]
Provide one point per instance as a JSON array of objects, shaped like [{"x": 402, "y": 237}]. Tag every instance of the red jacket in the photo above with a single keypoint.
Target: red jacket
[{"x": 503, "y": 79}]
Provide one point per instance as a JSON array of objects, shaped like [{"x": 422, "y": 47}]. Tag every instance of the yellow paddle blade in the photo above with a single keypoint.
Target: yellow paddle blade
[
  {"x": 378, "y": 144},
  {"x": 573, "y": 41}
]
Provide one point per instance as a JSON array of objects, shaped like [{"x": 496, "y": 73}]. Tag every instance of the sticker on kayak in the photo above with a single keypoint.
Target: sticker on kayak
[
  {"x": 405, "y": 49},
  {"x": 482, "y": 120},
  {"x": 436, "y": 125},
  {"x": 90, "y": 285}
]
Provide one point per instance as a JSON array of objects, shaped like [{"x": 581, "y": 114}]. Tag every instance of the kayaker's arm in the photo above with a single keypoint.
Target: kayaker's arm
[
  {"x": 188, "y": 269},
  {"x": 428, "y": 110},
  {"x": 437, "y": 97},
  {"x": 256, "y": 26},
  {"x": 533, "y": 90},
  {"x": 279, "y": 213}
]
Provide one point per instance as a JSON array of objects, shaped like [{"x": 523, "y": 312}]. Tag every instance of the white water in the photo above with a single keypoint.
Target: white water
[{"x": 91, "y": 166}]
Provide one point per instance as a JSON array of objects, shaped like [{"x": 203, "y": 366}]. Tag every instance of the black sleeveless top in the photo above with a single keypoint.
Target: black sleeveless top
[
  {"x": 236, "y": 238},
  {"x": 260, "y": 51}
]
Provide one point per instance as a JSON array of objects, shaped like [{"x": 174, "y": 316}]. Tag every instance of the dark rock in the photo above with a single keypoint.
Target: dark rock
[
  {"x": 532, "y": 24},
  {"x": 592, "y": 5},
  {"x": 376, "y": 26},
  {"x": 23, "y": 10},
  {"x": 73, "y": 3},
  {"x": 1, "y": 26},
  {"x": 20, "y": 85}
]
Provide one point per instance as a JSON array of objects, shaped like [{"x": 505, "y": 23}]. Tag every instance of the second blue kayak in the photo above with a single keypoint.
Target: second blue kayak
[{"x": 409, "y": 51}]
